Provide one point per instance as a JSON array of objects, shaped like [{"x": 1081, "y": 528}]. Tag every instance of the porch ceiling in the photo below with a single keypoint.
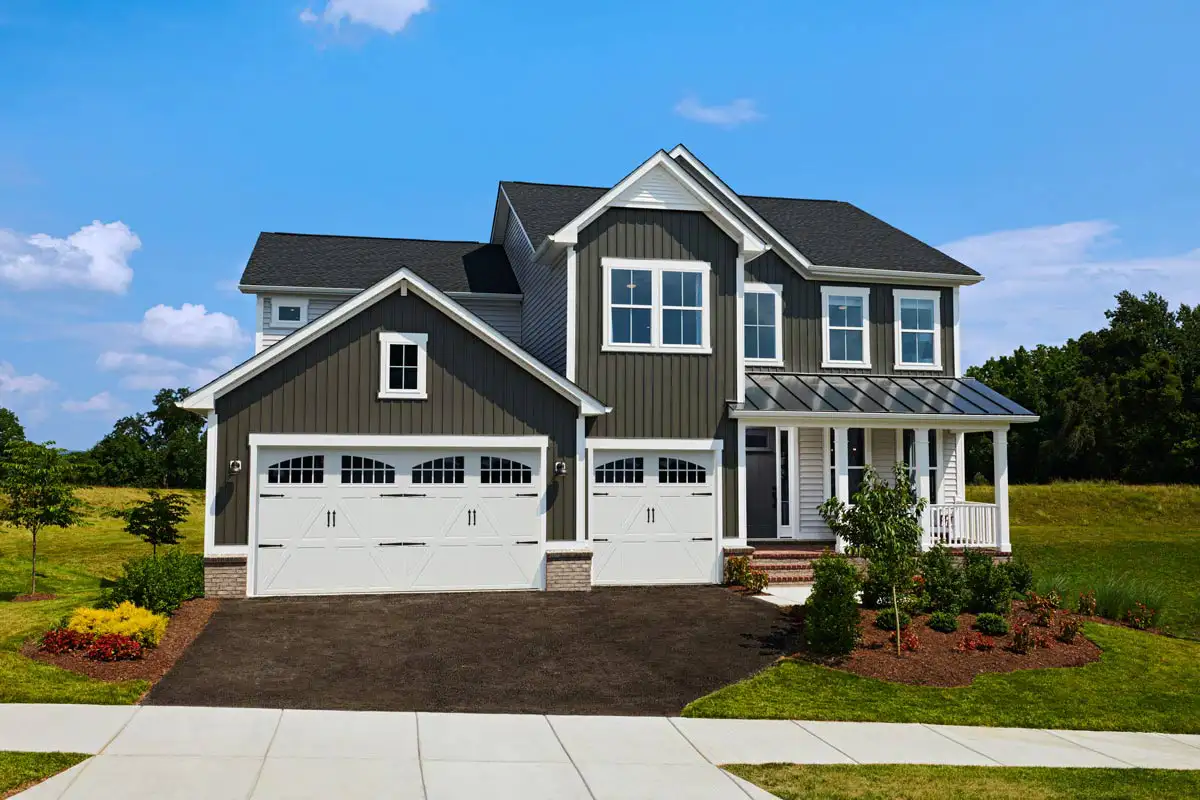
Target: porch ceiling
[{"x": 876, "y": 395}]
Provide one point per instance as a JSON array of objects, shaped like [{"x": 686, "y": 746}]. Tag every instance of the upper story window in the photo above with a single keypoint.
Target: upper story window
[
  {"x": 289, "y": 312},
  {"x": 918, "y": 329},
  {"x": 763, "y": 322},
  {"x": 402, "y": 366},
  {"x": 845, "y": 335},
  {"x": 652, "y": 305}
]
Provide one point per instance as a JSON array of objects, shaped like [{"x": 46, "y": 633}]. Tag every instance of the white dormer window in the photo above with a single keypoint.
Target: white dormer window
[
  {"x": 918, "y": 329},
  {"x": 289, "y": 312},
  {"x": 402, "y": 366},
  {"x": 845, "y": 332},
  {"x": 656, "y": 305}
]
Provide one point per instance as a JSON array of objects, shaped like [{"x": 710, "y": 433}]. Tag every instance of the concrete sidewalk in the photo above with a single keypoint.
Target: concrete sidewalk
[{"x": 173, "y": 752}]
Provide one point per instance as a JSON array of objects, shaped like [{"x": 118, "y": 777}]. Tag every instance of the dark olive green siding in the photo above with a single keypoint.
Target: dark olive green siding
[
  {"x": 331, "y": 385},
  {"x": 802, "y": 319},
  {"x": 668, "y": 395}
]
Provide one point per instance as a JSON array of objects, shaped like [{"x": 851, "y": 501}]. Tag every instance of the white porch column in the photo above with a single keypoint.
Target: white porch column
[
  {"x": 1000, "y": 472},
  {"x": 741, "y": 483},
  {"x": 921, "y": 467},
  {"x": 841, "y": 462}
]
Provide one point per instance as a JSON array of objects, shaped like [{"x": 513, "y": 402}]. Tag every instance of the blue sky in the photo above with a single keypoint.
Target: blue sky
[{"x": 143, "y": 145}]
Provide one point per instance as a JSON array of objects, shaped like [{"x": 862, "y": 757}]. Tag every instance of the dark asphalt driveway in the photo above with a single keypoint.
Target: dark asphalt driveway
[{"x": 608, "y": 651}]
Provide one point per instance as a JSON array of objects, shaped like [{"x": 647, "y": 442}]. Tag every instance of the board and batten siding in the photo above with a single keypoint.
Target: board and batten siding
[
  {"x": 802, "y": 342},
  {"x": 331, "y": 386},
  {"x": 662, "y": 395},
  {"x": 544, "y": 314}
]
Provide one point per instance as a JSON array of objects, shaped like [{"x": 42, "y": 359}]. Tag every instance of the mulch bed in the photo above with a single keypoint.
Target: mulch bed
[
  {"x": 936, "y": 663},
  {"x": 185, "y": 626},
  {"x": 33, "y": 598}
]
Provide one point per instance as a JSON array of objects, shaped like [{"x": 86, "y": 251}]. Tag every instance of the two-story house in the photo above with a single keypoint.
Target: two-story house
[{"x": 619, "y": 387}]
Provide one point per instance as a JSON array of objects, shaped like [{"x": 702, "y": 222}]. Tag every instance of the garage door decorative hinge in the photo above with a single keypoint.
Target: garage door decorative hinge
[
  {"x": 403, "y": 494},
  {"x": 526, "y": 494},
  {"x": 271, "y": 495},
  {"x": 270, "y": 545},
  {"x": 534, "y": 541},
  {"x": 702, "y": 494},
  {"x": 401, "y": 544}
]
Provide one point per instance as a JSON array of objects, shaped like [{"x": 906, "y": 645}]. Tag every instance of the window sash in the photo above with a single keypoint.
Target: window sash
[
  {"x": 846, "y": 326},
  {"x": 918, "y": 329},
  {"x": 762, "y": 339},
  {"x": 402, "y": 363},
  {"x": 677, "y": 315}
]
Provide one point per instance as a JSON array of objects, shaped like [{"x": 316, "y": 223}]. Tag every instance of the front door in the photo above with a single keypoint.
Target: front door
[{"x": 762, "y": 499}]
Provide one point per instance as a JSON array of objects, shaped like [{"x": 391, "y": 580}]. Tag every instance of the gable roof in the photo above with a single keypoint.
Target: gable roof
[
  {"x": 204, "y": 398},
  {"x": 356, "y": 262},
  {"x": 545, "y": 207}
]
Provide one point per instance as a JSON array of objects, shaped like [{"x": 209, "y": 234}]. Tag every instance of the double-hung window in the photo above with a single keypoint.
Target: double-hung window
[
  {"x": 918, "y": 329},
  {"x": 908, "y": 453},
  {"x": 402, "y": 366},
  {"x": 763, "y": 306},
  {"x": 845, "y": 336},
  {"x": 652, "y": 305},
  {"x": 857, "y": 456}
]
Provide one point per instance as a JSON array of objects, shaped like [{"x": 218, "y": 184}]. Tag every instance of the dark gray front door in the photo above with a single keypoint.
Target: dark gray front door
[{"x": 761, "y": 499}]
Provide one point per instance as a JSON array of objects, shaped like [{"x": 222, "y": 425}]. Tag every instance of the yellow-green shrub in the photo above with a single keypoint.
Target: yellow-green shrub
[{"x": 126, "y": 619}]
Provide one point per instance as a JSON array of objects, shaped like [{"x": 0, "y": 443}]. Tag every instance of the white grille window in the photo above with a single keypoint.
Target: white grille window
[
  {"x": 358, "y": 470},
  {"x": 677, "y": 470},
  {"x": 402, "y": 366},
  {"x": 298, "y": 470},
  {"x": 622, "y": 470},
  {"x": 493, "y": 469},
  {"x": 448, "y": 470}
]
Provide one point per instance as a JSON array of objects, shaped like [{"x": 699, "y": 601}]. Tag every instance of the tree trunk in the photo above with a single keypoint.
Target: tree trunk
[
  {"x": 33, "y": 572},
  {"x": 896, "y": 609}
]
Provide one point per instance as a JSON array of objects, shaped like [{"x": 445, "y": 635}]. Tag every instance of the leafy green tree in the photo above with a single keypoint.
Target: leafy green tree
[
  {"x": 11, "y": 432},
  {"x": 39, "y": 495},
  {"x": 156, "y": 519},
  {"x": 884, "y": 527},
  {"x": 162, "y": 448}
]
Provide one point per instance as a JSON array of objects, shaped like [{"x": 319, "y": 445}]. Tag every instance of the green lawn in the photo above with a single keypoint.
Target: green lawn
[
  {"x": 1086, "y": 531},
  {"x": 891, "y": 782},
  {"x": 71, "y": 564},
  {"x": 21, "y": 769}
]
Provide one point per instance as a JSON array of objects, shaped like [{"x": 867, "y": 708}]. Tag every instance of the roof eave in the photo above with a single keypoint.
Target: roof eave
[{"x": 898, "y": 419}]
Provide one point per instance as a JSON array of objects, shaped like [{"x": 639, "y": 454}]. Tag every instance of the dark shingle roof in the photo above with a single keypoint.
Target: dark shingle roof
[
  {"x": 356, "y": 262},
  {"x": 543, "y": 208}
]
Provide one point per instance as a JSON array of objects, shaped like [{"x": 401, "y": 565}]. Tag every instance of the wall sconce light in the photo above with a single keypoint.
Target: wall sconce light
[{"x": 560, "y": 468}]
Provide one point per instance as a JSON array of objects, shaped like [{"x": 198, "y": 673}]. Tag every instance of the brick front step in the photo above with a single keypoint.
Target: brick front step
[
  {"x": 788, "y": 554},
  {"x": 773, "y": 565},
  {"x": 775, "y": 579}
]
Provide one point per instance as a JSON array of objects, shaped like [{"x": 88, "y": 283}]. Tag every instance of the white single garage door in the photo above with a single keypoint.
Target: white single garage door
[
  {"x": 652, "y": 517},
  {"x": 351, "y": 520}
]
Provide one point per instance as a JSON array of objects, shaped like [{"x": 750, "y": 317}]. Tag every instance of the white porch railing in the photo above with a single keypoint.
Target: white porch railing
[{"x": 962, "y": 525}]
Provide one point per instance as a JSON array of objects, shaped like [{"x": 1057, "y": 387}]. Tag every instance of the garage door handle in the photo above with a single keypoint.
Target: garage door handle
[
  {"x": 534, "y": 541},
  {"x": 702, "y": 494},
  {"x": 403, "y": 494},
  {"x": 598, "y": 539},
  {"x": 702, "y": 538},
  {"x": 271, "y": 495},
  {"x": 270, "y": 545},
  {"x": 402, "y": 544}
]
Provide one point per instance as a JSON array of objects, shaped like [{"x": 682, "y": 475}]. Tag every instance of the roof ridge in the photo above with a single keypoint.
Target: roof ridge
[
  {"x": 379, "y": 238},
  {"x": 560, "y": 185},
  {"x": 800, "y": 199}
]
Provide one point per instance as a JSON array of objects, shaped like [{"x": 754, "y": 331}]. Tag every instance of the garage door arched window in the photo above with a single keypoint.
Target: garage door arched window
[
  {"x": 621, "y": 470},
  {"x": 358, "y": 470},
  {"x": 493, "y": 469},
  {"x": 678, "y": 470},
  {"x": 298, "y": 470},
  {"x": 448, "y": 470}
]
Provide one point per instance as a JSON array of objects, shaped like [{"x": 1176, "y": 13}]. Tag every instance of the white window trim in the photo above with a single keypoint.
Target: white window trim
[
  {"x": 938, "y": 448},
  {"x": 281, "y": 300},
  {"x": 387, "y": 338},
  {"x": 917, "y": 294},
  {"x": 777, "y": 290},
  {"x": 656, "y": 267},
  {"x": 827, "y": 466},
  {"x": 851, "y": 291}
]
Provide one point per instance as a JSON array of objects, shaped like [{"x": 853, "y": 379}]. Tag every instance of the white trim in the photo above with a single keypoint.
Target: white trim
[
  {"x": 747, "y": 240},
  {"x": 517, "y": 217},
  {"x": 847, "y": 291},
  {"x": 278, "y": 300},
  {"x": 741, "y": 329},
  {"x": 486, "y": 295},
  {"x": 399, "y": 440},
  {"x": 893, "y": 276},
  {"x": 1000, "y": 482},
  {"x": 974, "y": 422},
  {"x": 960, "y": 464},
  {"x": 581, "y": 473},
  {"x": 421, "y": 342},
  {"x": 958, "y": 370},
  {"x": 791, "y": 529},
  {"x": 939, "y": 467},
  {"x": 777, "y": 290},
  {"x": 210, "y": 483},
  {"x": 657, "y": 268},
  {"x": 714, "y": 445},
  {"x": 743, "y": 530},
  {"x": 572, "y": 311},
  {"x": 249, "y": 288},
  {"x": 898, "y": 296},
  {"x": 204, "y": 398}
]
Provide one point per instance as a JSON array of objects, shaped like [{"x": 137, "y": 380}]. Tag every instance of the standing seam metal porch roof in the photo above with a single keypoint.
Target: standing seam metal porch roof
[{"x": 876, "y": 394}]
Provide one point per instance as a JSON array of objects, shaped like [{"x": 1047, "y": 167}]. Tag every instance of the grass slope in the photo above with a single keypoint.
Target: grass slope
[
  {"x": 1087, "y": 531},
  {"x": 892, "y": 782},
  {"x": 18, "y": 770},
  {"x": 71, "y": 564}
]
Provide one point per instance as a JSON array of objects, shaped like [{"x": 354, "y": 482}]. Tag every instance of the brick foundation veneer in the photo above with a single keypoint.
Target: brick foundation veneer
[
  {"x": 733, "y": 552},
  {"x": 568, "y": 571},
  {"x": 225, "y": 576}
]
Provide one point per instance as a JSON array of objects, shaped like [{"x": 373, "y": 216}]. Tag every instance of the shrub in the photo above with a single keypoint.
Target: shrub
[
  {"x": 114, "y": 647},
  {"x": 1069, "y": 629},
  {"x": 913, "y": 604},
  {"x": 1086, "y": 604},
  {"x": 908, "y": 640},
  {"x": 974, "y": 642},
  {"x": 876, "y": 593},
  {"x": 988, "y": 588},
  {"x": 158, "y": 584},
  {"x": 943, "y": 621},
  {"x": 831, "y": 622},
  {"x": 1026, "y": 638},
  {"x": 943, "y": 579},
  {"x": 886, "y": 620},
  {"x": 139, "y": 624},
  {"x": 1141, "y": 616},
  {"x": 64, "y": 640},
  {"x": 1037, "y": 602},
  {"x": 738, "y": 572},
  {"x": 1116, "y": 597},
  {"x": 1020, "y": 576},
  {"x": 991, "y": 624}
]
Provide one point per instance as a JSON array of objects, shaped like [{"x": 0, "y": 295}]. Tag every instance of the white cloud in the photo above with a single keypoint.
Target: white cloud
[
  {"x": 12, "y": 383},
  {"x": 390, "y": 16},
  {"x": 729, "y": 115},
  {"x": 102, "y": 403},
  {"x": 145, "y": 371},
  {"x": 135, "y": 362},
  {"x": 190, "y": 326},
  {"x": 94, "y": 257},
  {"x": 1047, "y": 284}
]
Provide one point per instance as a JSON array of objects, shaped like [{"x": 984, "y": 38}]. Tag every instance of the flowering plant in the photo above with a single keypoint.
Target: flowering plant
[
  {"x": 1141, "y": 616},
  {"x": 114, "y": 647},
  {"x": 908, "y": 640},
  {"x": 64, "y": 640},
  {"x": 973, "y": 642}
]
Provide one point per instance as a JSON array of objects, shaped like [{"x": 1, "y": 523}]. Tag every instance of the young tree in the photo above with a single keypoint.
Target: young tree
[
  {"x": 883, "y": 526},
  {"x": 11, "y": 432},
  {"x": 157, "y": 518},
  {"x": 39, "y": 496}
]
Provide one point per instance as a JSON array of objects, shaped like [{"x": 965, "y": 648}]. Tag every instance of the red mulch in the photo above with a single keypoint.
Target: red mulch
[
  {"x": 185, "y": 626},
  {"x": 936, "y": 663},
  {"x": 33, "y": 598}
]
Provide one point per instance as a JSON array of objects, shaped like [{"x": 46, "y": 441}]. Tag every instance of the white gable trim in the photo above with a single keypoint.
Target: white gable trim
[
  {"x": 204, "y": 399},
  {"x": 747, "y": 240}
]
